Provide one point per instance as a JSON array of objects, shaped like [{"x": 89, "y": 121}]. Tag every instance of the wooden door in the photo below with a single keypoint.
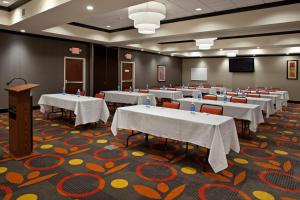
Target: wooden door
[
  {"x": 74, "y": 75},
  {"x": 127, "y": 75}
]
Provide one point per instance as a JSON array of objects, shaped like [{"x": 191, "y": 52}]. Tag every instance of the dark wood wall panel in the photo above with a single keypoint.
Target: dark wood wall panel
[{"x": 105, "y": 68}]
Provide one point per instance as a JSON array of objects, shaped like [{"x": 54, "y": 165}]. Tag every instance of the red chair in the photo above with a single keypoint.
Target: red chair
[
  {"x": 143, "y": 91},
  {"x": 192, "y": 88},
  {"x": 206, "y": 85},
  {"x": 155, "y": 88},
  {"x": 174, "y": 105},
  {"x": 100, "y": 95},
  {"x": 82, "y": 93},
  {"x": 211, "y": 109},
  {"x": 253, "y": 95},
  {"x": 238, "y": 99},
  {"x": 260, "y": 88},
  {"x": 171, "y": 89},
  {"x": 233, "y": 94},
  {"x": 263, "y": 92},
  {"x": 210, "y": 97}
]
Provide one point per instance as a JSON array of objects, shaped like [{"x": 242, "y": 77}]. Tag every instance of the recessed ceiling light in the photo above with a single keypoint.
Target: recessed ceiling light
[
  {"x": 198, "y": 9},
  {"x": 23, "y": 31},
  {"x": 89, "y": 7},
  {"x": 108, "y": 26},
  {"x": 5, "y": 2}
]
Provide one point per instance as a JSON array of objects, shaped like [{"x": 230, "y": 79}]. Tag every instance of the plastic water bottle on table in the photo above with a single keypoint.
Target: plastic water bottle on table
[
  {"x": 193, "y": 107},
  {"x": 148, "y": 102}
]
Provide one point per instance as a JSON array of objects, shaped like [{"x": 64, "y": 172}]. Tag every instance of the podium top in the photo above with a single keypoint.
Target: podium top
[{"x": 23, "y": 87}]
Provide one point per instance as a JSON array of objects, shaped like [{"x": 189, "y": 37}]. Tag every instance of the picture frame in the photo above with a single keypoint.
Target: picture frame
[
  {"x": 161, "y": 73},
  {"x": 292, "y": 70}
]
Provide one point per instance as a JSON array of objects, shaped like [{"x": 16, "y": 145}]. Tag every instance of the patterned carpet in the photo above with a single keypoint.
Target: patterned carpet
[{"x": 89, "y": 163}]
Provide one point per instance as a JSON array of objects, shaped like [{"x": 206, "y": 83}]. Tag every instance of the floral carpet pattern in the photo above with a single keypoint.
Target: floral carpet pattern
[{"x": 90, "y": 163}]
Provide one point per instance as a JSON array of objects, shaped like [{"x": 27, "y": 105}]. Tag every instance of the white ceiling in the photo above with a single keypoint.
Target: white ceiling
[
  {"x": 10, "y": 2},
  {"x": 175, "y": 9}
]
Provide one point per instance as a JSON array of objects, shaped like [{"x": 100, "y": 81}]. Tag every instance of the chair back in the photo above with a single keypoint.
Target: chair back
[
  {"x": 253, "y": 95},
  {"x": 264, "y": 92},
  {"x": 233, "y": 94},
  {"x": 192, "y": 88},
  {"x": 211, "y": 109},
  {"x": 100, "y": 95},
  {"x": 171, "y": 89},
  {"x": 143, "y": 91},
  {"x": 238, "y": 99},
  {"x": 210, "y": 97},
  {"x": 206, "y": 85},
  {"x": 174, "y": 105},
  {"x": 155, "y": 88},
  {"x": 82, "y": 93}
]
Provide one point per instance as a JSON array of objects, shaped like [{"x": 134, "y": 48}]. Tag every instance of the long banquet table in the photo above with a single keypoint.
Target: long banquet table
[
  {"x": 250, "y": 112},
  {"x": 124, "y": 97},
  {"x": 265, "y": 103},
  {"x": 86, "y": 109},
  {"x": 166, "y": 94},
  {"x": 217, "y": 133}
]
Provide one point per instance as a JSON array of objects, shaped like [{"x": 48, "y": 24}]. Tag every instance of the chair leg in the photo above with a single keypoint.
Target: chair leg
[
  {"x": 206, "y": 161},
  {"x": 166, "y": 141},
  {"x": 146, "y": 137}
]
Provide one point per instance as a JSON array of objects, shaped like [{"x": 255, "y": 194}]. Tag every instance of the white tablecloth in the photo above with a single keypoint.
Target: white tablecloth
[
  {"x": 250, "y": 112},
  {"x": 266, "y": 104},
  {"x": 218, "y": 133},
  {"x": 167, "y": 94},
  {"x": 284, "y": 96},
  {"x": 190, "y": 92},
  {"x": 133, "y": 98},
  {"x": 86, "y": 109}
]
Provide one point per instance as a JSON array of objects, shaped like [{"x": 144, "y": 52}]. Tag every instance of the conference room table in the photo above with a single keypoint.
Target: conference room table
[
  {"x": 190, "y": 92},
  {"x": 166, "y": 94},
  {"x": 250, "y": 112},
  {"x": 284, "y": 96},
  {"x": 86, "y": 109},
  {"x": 125, "y": 97},
  {"x": 276, "y": 100},
  {"x": 217, "y": 133},
  {"x": 265, "y": 103}
]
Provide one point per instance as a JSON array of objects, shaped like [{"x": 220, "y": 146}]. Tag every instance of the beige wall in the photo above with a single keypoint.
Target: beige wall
[{"x": 269, "y": 71}]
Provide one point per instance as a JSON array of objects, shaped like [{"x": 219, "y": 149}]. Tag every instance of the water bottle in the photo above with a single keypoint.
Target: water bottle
[
  {"x": 164, "y": 87},
  {"x": 183, "y": 86},
  {"x": 170, "y": 85},
  {"x": 192, "y": 107},
  {"x": 148, "y": 103},
  {"x": 78, "y": 93},
  {"x": 63, "y": 91},
  {"x": 238, "y": 90},
  {"x": 119, "y": 88},
  {"x": 200, "y": 96},
  {"x": 130, "y": 89},
  {"x": 225, "y": 99},
  {"x": 147, "y": 87}
]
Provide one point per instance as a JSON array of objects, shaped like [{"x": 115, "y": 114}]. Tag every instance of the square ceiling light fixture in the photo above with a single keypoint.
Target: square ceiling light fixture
[{"x": 205, "y": 43}]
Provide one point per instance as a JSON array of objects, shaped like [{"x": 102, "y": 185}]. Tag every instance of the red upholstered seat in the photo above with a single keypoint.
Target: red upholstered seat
[
  {"x": 143, "y": 91},
  {"x": 174, "y": 105},
  {"x": 238, "y": 100},
  {"x": 253, "y": 95},
  {"x": 192, "y": 88},
  {"x": 100, "y": 95},
  {"x": 156, "y": 88},
  {"x": 212, "y": 109},
  {"x": 210, "y": 97},
  {"x": 171, "y": 89},
  {"x": 263, "y": 92},
  {"x": 82, "y": 93},
  {"x": 206, "y": 85},
  {"x": 233, "y": 94}
]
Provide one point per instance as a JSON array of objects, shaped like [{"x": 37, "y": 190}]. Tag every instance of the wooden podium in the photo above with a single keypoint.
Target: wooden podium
[{"x": 20, "y": 120}]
